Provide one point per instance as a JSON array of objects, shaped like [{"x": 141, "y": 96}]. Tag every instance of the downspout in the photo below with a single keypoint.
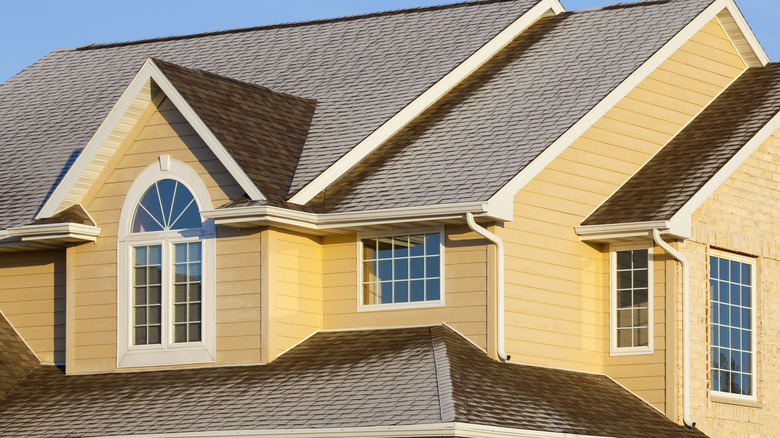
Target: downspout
[
  {"x": 499, "y": 280},
  {"x": 686, "y": 326}
]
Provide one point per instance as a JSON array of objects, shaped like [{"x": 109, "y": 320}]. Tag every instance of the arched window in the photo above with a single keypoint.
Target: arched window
[
  {"x": 165, "y": 251},
  {"x": 166, "y": 209}
]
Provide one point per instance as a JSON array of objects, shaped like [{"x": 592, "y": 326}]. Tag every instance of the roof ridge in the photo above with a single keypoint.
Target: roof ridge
[
  {"x": 441, "y": 366},
  {"x": 463, "y": 3}
]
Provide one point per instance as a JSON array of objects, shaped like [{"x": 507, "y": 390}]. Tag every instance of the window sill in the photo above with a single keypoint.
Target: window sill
[
  {"x": 400, "y": 306},
  {"x": 718, "y": 397},
  {"x": 631, "y": 352},
  {"x": 161, "y": 357}
]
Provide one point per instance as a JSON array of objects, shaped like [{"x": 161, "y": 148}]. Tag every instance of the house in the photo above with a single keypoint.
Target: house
[{"x": 484, "y": 219}]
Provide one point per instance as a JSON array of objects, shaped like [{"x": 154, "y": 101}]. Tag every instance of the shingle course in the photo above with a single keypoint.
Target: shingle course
[
  {"x": 335, "y": 379},
  {"x": 674, "y": 175}
]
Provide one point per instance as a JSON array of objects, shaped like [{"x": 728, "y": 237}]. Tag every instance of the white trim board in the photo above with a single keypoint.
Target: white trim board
[
  {"x": 461, "y": 430},
  {"x": 115, "y": 128},
  {"x": 507, "y": 192},
  {"x": 424, "y": 101}
]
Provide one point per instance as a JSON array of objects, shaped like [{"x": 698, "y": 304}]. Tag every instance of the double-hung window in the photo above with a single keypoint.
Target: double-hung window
[
  {"x": 732, "y": 323},
  {"x": 401, "y": 271},
  {"x": 631, "y": 301},
  {"x": 166, "y": 289}
]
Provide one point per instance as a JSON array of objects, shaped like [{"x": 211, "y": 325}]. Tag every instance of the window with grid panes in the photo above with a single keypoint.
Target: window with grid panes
[
  {"x": 731, "y": 324},
  {"x": 631, "y": 305},
  {"x": 167, "y": 280},
  {"x": 401, "y": 269}
]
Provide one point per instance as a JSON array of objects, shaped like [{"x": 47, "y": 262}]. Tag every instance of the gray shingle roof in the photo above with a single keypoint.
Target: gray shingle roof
[
  {"x": 466, "y": 147},
  {"x": 361, "y": 70},
  {"x": 335, "y": 379},
  {"x": 674, "y": 175}
]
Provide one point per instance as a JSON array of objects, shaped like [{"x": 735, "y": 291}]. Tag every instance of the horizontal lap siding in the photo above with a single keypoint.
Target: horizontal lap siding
[
  {"x": 742, "y": 216},
  {"x": 238, "y": 297},
  {"x": 557, "y": 287},
  {"x": 159, "y": 131},
  {"x": 465, "y": 288},
  {"x": 32, "y": 298},
  {"x": 296, "y": 285}
]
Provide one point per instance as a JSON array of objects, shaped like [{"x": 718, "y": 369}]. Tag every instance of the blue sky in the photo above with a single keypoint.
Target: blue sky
[{"x": 30, "y": 29}]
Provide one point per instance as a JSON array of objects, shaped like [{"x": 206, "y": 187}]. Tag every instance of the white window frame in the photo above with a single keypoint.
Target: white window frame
[
  {"x": 628, "y": 351},
  {"x": 753, "y": 262},
  {"x": 167, "y": 352},
  {"x": 361, "y": 307}
]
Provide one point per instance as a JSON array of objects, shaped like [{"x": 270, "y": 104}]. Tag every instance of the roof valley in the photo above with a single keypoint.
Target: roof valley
[{"x": 441, "y": 365}]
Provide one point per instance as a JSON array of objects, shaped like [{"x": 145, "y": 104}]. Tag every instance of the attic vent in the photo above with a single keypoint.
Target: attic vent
[{"x": 635, "y": 4}]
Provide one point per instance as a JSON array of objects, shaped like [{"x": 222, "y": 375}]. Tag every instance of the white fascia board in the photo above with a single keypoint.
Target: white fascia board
[
  {"x": 616, "y": 232},
  {"x": 461, "y": 430},
  {"x": 148, "y": 71},
  {"x": 687, "y": 210},
  {"x": 748, "y": 35},
  {"x": 56, "y": 232},
  {"x": 606, "y": 104},
  {"x": 424, "y": 101},
  {"x": 329, "y": 221},
  {"x": 204, "y": 132},
  {"x": 52, "y": 205}
]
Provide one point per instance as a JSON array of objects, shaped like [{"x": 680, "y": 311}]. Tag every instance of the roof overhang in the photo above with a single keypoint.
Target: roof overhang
[
  {"x": 625, "y": 232},
  {"x": 459, "y": 430},
  {"x": 338, "y": 223},
  {"x": 116, "y": 127},
  {"x": 424, "y": 101},
  {"x": 62, "y": 233},
  {"x": 735, "y": 26}
]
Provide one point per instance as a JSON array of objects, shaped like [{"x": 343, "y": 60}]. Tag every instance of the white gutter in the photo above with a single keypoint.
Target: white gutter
[
  {"x": 499, "y": 280},
  {"x": 686, "y": 326},
  {"x": 461, "y": 430},
  {"x": 261, "y": 215}
]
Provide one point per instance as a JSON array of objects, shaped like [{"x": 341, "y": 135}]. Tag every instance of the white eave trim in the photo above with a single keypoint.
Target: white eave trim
[
  {"x": 267, "y": 215},
  {"x": 63, "y": 232},
  {"x": 604, "y": 233},
  {"x": 507, "y": 192},
  {"x": 148, "y": 71},
  {"x": 424, "y": 101},
  {"x": 461, "y": 430}
]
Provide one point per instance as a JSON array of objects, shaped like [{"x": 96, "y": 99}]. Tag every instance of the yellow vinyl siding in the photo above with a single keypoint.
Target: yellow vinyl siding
[
  {"x": 32, "y": 298},
  {"x": 465, "y": 288},
  {"x": 238, "y": 297},
  {"x": 557, "y": 288},
  {"x": 742, "y": 216},
  {"x": 294, "y": 289},
  {"x": 161, "y": 130}
]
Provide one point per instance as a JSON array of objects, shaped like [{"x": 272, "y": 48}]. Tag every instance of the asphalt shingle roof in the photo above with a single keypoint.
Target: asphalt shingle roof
[
  {"x": 391, "y": 377},
  {"x": 16, "y": 360},
  {"x": 263, "y": 130},
  {"x": 361, "y": 70},
  {"x": 674, "y": 175},
  {"x": 470, "y": 144}
]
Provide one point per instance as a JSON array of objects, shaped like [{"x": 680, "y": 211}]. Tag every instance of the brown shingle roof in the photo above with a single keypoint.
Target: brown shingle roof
[
  {"x": 672, "y": 177},
  {"x": 335, "y": 379},
  {"x": 16, "y": 360},
  {"x": 263, "y": 130}
]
